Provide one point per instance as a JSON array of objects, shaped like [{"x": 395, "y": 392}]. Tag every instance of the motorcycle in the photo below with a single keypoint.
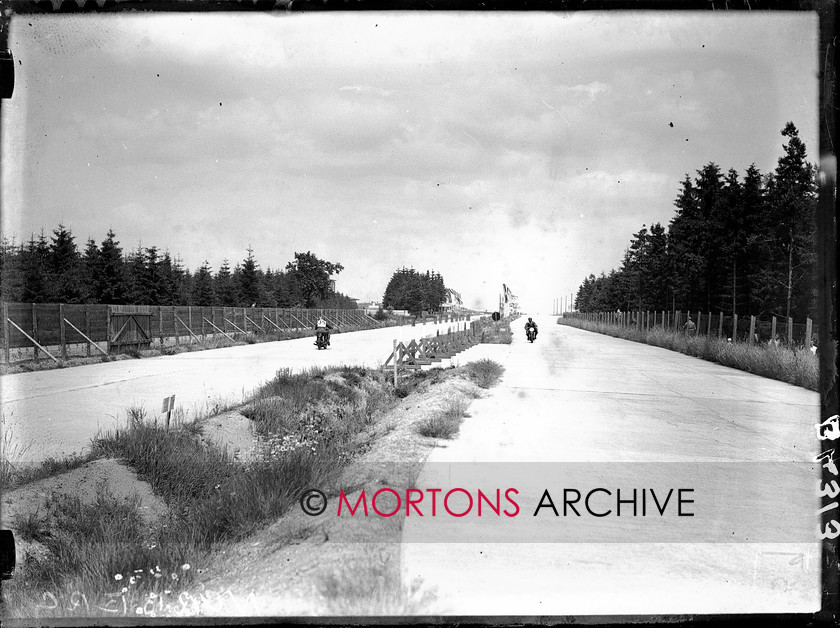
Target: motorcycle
[
  {"x": 530, "y": 334},
  {"x": 322, "y": 339}
]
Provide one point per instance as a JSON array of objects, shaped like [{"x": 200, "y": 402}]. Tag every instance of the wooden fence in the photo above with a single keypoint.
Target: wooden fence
[
  {"x": 57, "y": 330},
  {"x": 749, "y": 329},
  {"x": 416, "y": 354}
]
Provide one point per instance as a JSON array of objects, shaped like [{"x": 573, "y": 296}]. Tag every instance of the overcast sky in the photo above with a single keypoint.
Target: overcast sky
[{"x": 516, "y": 148}]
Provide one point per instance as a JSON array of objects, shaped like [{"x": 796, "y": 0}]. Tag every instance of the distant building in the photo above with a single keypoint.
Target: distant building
[
  {"x": 370, "y": 308},
  {"x": 453, "y": 300},
  {"x": 508, "y": 302}
]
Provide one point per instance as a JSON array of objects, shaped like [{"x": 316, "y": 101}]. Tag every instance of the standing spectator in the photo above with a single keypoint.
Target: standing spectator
[{"x": 689, "y": 327}]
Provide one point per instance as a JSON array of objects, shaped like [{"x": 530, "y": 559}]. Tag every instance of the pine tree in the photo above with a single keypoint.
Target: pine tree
[
  {"x": 64, "y": 270},
  {"x": 34, "y": 265},
  {"x": 111, "y": 281},
  {"x": 90, "y": 270},
  {"x": 152, "y": 279},
  {"x": 792, "y": 202},
  {"x": 203, "y": 292},
  {"x": 135, "y": 278},
  {"x": 224, "y": 286},
  {"x": 249, "y": 280}
]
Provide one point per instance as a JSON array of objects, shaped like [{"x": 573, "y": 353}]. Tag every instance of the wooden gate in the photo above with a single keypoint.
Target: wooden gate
[{"x": 129, "y": 329}]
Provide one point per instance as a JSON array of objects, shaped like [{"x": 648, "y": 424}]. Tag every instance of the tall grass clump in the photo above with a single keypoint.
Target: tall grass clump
[
  {"x": 11, "y": 456},
  {"x": 101, "y": 560},
  {"x": 446, "y": 423},
  {"x": 373, "y": 586},
  {"x": 793, "y": 365},
  {"x": 485, "y": 373}
]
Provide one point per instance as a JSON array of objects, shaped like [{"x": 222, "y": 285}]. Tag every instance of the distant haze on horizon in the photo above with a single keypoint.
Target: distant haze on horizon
[{"x": 517, "y": 148}]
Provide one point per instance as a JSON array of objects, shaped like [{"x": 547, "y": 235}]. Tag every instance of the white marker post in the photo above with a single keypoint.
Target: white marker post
[
  {"x": 396, "y": 358},
  {"x": 168, "y": 406}
]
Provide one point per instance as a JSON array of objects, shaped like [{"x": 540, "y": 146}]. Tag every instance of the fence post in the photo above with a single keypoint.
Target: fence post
[
  {"x": 709, "y": 325},
  {"x": 734, "y": 327},
  {"x": 697, "y": 329},
  {"x": 175, "y": 327},
  {"x": 809, "y": 329},
  {"x": 790, "y": 331},
  {"x": 108, "y": 329},
  {"x": 773, "y": 330},
  {"x": 203, "y": 328},
  {"x": 6, "y": 347},
  {"x": 395, "y": 362},
  {"x": 62, "y": 328},
  {"x": 189, "y": 321},
  {"x": 752, "y": 330},
  {"x": 720, "y": 325},
  {"x": 35, "y": 330},
  {"x": 87, "y": 327}
]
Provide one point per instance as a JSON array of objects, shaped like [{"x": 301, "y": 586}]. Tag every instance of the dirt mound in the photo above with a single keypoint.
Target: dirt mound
[
  {"x": 232, "y": 432},
  {"x": 83, "y": 483},
  {"x": 28, "y": 501}
]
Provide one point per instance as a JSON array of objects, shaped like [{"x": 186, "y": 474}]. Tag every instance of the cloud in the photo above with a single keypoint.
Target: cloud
[{"x": 366, "y": 90}]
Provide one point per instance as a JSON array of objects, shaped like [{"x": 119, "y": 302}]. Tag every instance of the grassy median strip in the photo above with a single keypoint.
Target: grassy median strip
[
  {"x": 310, "y": 426},
  {"x": 797, "y": 366},
  {"x": 106, "y": 556}
]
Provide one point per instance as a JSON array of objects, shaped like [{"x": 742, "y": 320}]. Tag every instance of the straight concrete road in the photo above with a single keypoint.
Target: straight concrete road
[
  {"x": 581, "y": 410},
  {"x": 56, "y": 413}
]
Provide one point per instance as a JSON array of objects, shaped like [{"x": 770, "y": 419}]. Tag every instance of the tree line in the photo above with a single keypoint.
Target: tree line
[
  {"x": 54, "y": 270},
  {"x": 414, "y": 291},
  {"x": 744, "y": 246}
]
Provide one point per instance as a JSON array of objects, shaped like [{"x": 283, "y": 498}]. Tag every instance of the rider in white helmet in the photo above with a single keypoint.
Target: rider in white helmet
[{"x": 323, "y": 327}]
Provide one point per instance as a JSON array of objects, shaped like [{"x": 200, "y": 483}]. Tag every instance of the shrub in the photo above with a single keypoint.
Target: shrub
[
  {"x": 485, "y": 373},
  {"x": 436, "y": 427}
]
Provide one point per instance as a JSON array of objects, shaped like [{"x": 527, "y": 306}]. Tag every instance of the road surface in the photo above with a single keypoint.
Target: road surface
[
  {"x": 582, "y": 410},
  {"x": 55, "y": 413}
]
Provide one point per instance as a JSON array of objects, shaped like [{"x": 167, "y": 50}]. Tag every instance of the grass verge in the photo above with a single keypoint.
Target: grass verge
[
  {"x": 795, "y": 366},
  {"x": 102, "y": 560}
]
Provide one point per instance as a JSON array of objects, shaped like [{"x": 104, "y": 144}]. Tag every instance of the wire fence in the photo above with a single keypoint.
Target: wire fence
[{"x": 749, "y": 329}]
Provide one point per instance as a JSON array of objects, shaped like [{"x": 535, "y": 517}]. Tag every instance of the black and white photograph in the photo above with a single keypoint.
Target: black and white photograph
[{"x": 516, "y": 316}]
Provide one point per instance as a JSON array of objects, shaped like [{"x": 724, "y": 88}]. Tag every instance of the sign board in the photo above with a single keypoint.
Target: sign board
[{"x": 168, "y": 404}]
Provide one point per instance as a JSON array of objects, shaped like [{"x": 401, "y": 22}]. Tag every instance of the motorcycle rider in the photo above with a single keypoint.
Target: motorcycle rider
[
  {"x": 531, "y": 325},
  {"x": 322, "y": 327}
]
